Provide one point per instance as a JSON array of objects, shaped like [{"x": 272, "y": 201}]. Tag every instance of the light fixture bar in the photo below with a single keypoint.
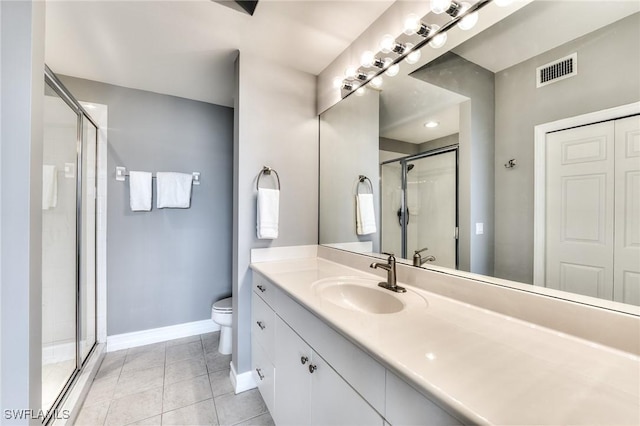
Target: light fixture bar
[{"x": 445, "y": 27}]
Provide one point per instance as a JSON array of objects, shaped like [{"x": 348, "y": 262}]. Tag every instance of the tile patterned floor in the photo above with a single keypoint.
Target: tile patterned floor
[{"x": 180, "y": 382}]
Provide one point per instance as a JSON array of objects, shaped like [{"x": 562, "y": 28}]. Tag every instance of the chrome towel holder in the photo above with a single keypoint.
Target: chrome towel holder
[
  {"x": 362, "y": 179},
  {"x": 267, "y": 171}
]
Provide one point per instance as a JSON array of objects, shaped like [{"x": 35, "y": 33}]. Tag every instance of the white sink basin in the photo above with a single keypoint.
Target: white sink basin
[{"x": 361, "y": 295}]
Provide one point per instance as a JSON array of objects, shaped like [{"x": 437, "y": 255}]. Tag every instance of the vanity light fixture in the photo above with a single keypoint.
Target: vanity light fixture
[
  {"x": 431, "y": 124},
  {"x": 503, "y": 3},
  {"x": 337, "y": 82},
  {"x": 465, "y": 16},
  {"x": 449, "y": 7}
]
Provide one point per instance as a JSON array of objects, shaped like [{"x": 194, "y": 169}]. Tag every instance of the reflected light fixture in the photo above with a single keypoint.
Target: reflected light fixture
[
  {"x": 439, "y": 39},
  {"x": 376, "y": 82},
  {"x": 449, "y": 7},
  {"x": 503, "y": 3},
  {"x": 360, "y": 91},
  {"x": 431, "y": 124},
  {"x": 337, "y": 82},
  {"x": 391, "y": 69},
  {"x": 468, "y": 21},
  {"x": 413, "y": 56}
]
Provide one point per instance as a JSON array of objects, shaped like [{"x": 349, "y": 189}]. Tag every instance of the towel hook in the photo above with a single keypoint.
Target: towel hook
[{"x": 267, "y": 171}]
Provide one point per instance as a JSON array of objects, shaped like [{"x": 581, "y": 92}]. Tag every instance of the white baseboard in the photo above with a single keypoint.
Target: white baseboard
[
  {"x": 162, "y": 334},
  {"x": 241, "y": 382}
]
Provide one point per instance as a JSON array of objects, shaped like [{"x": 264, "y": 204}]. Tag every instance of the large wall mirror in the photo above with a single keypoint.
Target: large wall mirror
[{"x": 481, "y": 161}]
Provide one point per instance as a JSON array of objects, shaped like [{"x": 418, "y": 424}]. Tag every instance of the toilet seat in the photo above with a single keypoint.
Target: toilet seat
[{"x": 223, "y": 306}]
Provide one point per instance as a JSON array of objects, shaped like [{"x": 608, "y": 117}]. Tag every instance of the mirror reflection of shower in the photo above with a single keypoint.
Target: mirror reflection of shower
[{"x": 419, "y": 206}]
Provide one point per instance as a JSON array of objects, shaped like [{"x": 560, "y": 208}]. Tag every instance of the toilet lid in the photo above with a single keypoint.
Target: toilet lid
[{"x": 223, "y": 305}]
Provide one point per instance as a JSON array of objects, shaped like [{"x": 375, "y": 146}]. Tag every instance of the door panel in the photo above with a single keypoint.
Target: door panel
[
  {"x": 579, "y": 210},
  {"x": 627, "y": 213}
]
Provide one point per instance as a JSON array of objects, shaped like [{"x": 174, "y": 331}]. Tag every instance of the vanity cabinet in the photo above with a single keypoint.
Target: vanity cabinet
[
  {"x": 309, "y": 374},
  {"x": 309, "y": 391}
]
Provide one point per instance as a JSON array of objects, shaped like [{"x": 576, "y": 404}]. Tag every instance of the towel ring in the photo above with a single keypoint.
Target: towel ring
[
  {"x": 267, "y": 171},
  {"x": 362, "y": 179}
]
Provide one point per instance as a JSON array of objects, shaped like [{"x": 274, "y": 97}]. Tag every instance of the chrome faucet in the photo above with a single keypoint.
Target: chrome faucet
[
  {"x": 390, "y": 267},
  {"x": 418, "y": 260}
]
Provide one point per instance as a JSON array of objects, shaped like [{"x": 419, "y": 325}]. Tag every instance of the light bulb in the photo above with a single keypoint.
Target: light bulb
[
  {"x": 503, "y": 3},
  {"x": 376, "y": 82},
  {"x": 440, "y": 6},
  {"x": 411, "y": 24},
  {"x": 367, "y": 58},
  {"x": 439, "y": 40},
  {"x": 387, "y": 44},
  {"x": 414, "y": 56},
  {"x": 391, "y": 69},
  {"x": 350, "y": 72},
  {"x": 361, "y": 91},
  {"x": 468, "y": 21},
  {"x": 337, "y": 82}
]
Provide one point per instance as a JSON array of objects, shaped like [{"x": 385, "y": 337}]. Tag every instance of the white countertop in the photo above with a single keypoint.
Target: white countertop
[{"x": 483, "y": 366}]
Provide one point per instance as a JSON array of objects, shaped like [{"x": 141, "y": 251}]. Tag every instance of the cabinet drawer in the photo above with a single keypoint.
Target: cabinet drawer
[
  {"x": 263, "y": 325},
  {"x": 264, "y": 288},
  {"x": 263, "y": 374},
  {"x": 407, "y": 406},
  {"x": 360, "y": 370}
]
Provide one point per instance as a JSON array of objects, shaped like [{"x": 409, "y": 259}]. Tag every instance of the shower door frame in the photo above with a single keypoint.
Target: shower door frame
[
  {"x": 403, "y": 177},
  {"x": 56, "y": 85}
]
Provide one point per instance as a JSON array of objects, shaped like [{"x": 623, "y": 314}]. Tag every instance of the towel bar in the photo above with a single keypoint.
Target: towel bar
[
  {"x": 121, "y": 174},
  {"x": 267, "y": 171}
]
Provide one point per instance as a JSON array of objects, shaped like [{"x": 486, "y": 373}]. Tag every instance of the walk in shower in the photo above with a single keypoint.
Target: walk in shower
[
  {"x": 69, "y": 167},
  {"x": 419, "y": 206}
]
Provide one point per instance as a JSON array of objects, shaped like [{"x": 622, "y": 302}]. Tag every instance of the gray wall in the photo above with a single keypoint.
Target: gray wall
[
  {"x": 21, "y": 112},
  {"x": 393, "y": 145},
  {"x": 608, "y": 76},
  {"x": 476, "y": 137},
  {"x": 166, "y": 266},
  {"x": 276, "y": 126},
  {"x": 349, "y": 147},
  {"x": 439, "y": 143}
]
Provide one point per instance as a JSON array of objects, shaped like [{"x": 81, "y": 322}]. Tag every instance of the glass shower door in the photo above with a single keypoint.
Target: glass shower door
[
  {"x": 87, "y": 288},
  {"x": 431, "y": 203},
  {"x": 391, "y": 203},
  {"x": 59, "y": 249}
]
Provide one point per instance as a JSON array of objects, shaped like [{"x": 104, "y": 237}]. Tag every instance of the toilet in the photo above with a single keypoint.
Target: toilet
[{"x": 221, "y": 314}]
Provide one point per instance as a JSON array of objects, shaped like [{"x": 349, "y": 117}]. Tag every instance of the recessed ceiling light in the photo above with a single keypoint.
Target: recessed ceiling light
[{"x": 431, "y": 124}]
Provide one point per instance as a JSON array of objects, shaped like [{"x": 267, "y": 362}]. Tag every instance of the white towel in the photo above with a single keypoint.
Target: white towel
[
  {"x": 365, "y": 214},
  {"x": 173, "y": 190},
  {"x": 49, "y": 186},
  {"x": 268, "y": 211},
  {"x": 140, "y": 191}
]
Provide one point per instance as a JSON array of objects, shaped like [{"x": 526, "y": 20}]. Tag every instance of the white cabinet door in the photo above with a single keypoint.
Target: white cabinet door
[
  {"x": 293, "y": 383},
  {"x": 627, "y": 212},
  {"x": 334, "y": 402},
  {"x": 579, "y": 210},
  {"x": 263, "y": 374}
]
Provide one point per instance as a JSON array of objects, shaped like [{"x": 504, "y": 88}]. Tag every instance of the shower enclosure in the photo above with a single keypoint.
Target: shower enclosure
[
  {"x": 68, "y": 240},
  {"x": 419, "y": 206}
]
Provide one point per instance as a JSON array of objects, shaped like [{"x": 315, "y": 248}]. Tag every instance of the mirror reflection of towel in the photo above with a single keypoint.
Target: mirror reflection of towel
[
  {"x": 365, "y": 214},
  {"x": 49, "y": 186}
]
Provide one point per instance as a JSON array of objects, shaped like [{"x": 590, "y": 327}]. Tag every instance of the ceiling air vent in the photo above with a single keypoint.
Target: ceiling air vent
[{"x": 557, "y": 70}]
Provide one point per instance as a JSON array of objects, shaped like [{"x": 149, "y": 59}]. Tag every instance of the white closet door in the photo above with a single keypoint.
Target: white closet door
[
  {"x": 627, "y": 211},
  {"x": 580, "y": 210}
]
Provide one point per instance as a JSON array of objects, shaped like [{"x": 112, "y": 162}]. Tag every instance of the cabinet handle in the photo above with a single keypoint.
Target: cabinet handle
[
  {"x": 260, "y": 373},
  {"x": 261, "y": 288},
  {"x": 261, "y": 325},
  {"x": 304, "y": 360},
  {"x": 312, "y": 368}
]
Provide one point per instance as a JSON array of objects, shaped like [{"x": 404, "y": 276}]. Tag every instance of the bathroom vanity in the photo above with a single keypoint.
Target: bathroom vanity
[{"x": 331, "y": 347}]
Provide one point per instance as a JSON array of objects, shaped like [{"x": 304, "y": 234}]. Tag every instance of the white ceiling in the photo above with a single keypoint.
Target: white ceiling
[{"x": 186, "y": 48}]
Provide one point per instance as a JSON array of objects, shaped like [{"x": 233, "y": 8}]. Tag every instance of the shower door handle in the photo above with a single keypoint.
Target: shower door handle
[{"x": 406, "y": 216}]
